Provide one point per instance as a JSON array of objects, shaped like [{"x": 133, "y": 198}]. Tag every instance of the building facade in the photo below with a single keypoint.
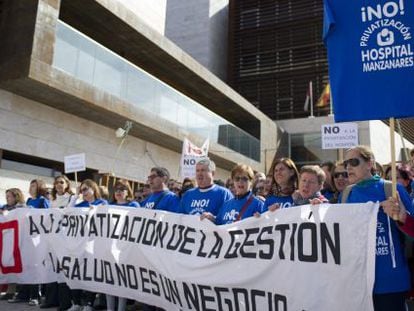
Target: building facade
[{"x": 73, "y": 71}]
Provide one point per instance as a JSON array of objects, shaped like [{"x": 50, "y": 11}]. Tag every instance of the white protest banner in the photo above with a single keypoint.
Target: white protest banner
[
  {"x": 75, "y": 163},
  {"x": 303, "y": 258},
  {"x": 190, "y": 156},
  {"x": 339, "y": 135}
]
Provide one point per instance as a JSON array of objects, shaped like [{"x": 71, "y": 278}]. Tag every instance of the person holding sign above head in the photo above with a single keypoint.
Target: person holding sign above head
[
  {"x": 244, "y": 204},
  {"x": 161, "y": 198},
  {"x": 285, "y": 181},
  {"x": 392, "y": 279},
  {"x": 207, "y": 197}
]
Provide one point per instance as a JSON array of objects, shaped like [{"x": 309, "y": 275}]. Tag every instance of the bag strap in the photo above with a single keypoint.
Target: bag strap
[
  {"x": 244, "y": 207},
  {"x": 159, "y": 199},
  {"x": 345, "y": 193}
]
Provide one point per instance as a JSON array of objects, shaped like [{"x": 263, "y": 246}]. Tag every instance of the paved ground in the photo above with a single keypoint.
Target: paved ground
[{"x": 5, "y": 306}]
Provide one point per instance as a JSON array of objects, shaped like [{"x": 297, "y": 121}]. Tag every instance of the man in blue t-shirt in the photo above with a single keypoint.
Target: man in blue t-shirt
[
  {"x": 207, "y": 197},
  {"x": 161, "y": 198}
]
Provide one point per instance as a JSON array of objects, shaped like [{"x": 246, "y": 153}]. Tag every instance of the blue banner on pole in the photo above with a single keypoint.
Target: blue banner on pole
[{"x": 371, "y": 58}]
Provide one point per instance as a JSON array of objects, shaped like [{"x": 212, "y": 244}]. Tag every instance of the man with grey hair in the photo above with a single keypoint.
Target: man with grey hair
[
  {"x": 161, "y": 198},
  {"x": 207, "y": 197}
]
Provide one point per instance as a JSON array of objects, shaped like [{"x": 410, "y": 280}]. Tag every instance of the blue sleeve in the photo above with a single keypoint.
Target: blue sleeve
[
  {"x": 172, "y": 203},
  {"x": 405, "y": 198},
  {"x": 328, "y": 21},
  {"x": 181, "y": 207},
  {"x": 260, "y": 207},
  {"x": 228, "y": 196},
  {"x": 134, "y": 204},
  {"x": 219, "y": 217},
  {"x": 45, "y": 203}
]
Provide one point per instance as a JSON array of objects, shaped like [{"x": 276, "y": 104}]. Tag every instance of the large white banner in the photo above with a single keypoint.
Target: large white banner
[{"x": 304, "y": 258}]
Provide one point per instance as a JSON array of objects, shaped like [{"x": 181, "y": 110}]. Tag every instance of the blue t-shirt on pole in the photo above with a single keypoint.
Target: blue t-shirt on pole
[{"x": 371, "y": 58}]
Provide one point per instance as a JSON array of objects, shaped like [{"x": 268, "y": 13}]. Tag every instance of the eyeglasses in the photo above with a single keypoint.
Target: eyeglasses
[
  {"x": 338, "y": 174},
  {"x": 354, "y": 162},
  {"x": 59, "y": 182},
  {"x": 241, "y": 178},
  {"x": 86, "y": 189},
  {"x": 119, "y": 190}
]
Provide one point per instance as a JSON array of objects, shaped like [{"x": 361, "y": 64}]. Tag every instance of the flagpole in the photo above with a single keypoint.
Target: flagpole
[
  {"x": 402, "y": 140},
  {"x": 393, "y": 164},
  {"x": 330, "y": 101},
  {"x": 311, "y": 99}
]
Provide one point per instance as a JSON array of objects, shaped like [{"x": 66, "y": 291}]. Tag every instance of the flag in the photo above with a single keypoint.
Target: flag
[
  {"x": 325, "y": 98},
  {"x": 309, "y": 95}
]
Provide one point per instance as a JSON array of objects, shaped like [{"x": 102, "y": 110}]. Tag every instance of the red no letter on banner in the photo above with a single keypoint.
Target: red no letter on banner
[{"x": 17, "y": 267}]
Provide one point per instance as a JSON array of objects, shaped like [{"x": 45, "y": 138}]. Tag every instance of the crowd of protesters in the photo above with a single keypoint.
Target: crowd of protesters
[{"x": 356, "y": 179}]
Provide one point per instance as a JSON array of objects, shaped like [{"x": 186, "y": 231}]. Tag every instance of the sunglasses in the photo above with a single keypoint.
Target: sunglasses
[
  {"x": 120, "y": 189},
  {"x": 241, "y": 178},
  {"x": 338, "y": 174},
  {"x": 354, "y": 162}
]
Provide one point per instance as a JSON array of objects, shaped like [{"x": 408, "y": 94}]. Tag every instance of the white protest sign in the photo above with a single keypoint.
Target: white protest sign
[
  {"x": 190, "y": 155},
  {"x": 339, "y": 135},
  {"x": 293, "y": 259},
  {"x": 75, "y": 163}
]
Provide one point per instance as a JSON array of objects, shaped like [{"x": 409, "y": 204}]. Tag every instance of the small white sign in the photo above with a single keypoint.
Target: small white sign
[
  {"x": 339, "y": 135},
  {"x": 75, "y": 163}
]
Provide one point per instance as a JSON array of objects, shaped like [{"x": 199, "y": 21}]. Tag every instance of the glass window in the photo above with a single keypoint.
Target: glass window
[{"x": 87, "y": 60}]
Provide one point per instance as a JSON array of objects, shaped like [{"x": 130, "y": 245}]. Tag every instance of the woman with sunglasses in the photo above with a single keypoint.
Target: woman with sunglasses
[
  {"x": 91, "y": 197},
  {"x": 91, "y": 194},
  {"x": 244, "y": 204},
  {"x": 340, "y": 181},
  {"x": 285, "y": 181},
  {"x": 122, "y": 196},
  {"x": 61, "y": 197},
  {"x": 392, "y": 279}
]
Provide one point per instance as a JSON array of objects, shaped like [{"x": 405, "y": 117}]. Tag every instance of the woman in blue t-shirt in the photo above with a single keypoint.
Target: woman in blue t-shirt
[
  {"x": 244, "y": 204},
  {"x": 392, "y": 279},
  {"x": 122, "y": 196},
  {"x": 91, "y": 194},
  {"x": 37, "y": 193},
  {"x": 285, "y": 182}
]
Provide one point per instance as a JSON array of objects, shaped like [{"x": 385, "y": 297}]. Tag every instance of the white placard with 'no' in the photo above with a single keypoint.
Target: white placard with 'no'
[{"x": 75, "y": 163}]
